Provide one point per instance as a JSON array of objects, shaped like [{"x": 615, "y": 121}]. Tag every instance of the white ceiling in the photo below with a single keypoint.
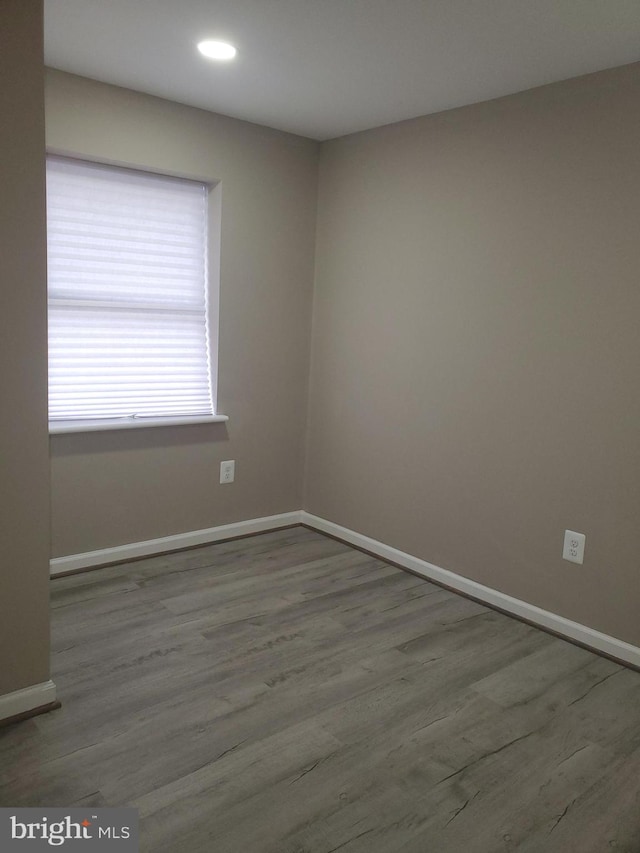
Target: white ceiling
[{"x": 324, "y": 68}]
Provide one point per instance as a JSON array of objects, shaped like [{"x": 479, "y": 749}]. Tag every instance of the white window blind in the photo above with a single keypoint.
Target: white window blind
[{"x": 127, "y": 260}]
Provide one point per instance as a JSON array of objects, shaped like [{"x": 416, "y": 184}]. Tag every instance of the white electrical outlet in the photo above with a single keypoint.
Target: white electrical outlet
[
  {"x": 573, "y": 546},
  {"x": 228, "y": 471}
]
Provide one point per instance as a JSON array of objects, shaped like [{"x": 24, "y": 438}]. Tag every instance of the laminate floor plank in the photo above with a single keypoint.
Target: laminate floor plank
[{"x": 285, "y": 693}]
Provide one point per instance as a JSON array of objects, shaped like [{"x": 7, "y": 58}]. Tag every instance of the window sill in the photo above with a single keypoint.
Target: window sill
[{"x": 57, "y": 427}]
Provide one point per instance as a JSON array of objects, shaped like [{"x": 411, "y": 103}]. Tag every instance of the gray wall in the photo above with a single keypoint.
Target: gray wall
[
  {"x": 474, "y": 349},
  {"x": 24, "y": 465},
  {"x": 118, "y": 487},
  {"x": 476, "y": 345}
]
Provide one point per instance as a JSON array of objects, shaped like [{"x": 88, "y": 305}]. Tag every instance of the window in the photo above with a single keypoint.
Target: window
[{"x": 129, "y": 332}]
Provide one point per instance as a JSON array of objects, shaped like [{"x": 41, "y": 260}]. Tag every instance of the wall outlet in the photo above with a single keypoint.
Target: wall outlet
[
  {"x": 573, "y": 546},
  {"x": 228, "y": 471}
]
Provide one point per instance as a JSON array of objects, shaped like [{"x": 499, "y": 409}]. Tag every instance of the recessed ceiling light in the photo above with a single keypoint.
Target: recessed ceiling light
[{"x": 216, "y": 49}]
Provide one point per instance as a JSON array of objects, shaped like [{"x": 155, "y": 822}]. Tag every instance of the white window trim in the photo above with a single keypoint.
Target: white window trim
[{"x": 59, "y": 427}]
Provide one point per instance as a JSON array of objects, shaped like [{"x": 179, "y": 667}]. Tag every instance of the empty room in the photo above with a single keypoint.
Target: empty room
[{"x": 320, "y": 431}]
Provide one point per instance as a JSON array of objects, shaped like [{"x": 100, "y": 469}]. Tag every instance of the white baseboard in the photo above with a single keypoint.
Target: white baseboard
[
  {"x": 494, "y": 598},
  {"x": 27, "y": 699},
  {"x": 544, "y": 618},
  {"x": 134, "y": 550}
]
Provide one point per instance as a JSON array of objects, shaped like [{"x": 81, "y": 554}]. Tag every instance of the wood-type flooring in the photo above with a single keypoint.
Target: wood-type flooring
[{"x": 285, "y": 693}]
